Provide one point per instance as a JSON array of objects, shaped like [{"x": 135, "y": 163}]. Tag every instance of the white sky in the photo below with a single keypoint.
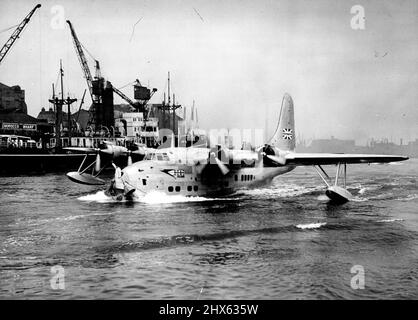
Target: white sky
[{"x": 238, "y": 61}]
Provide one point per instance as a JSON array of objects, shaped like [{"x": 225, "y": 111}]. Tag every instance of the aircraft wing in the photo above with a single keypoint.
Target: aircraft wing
[
  {"x": 305, "y": 159},
  {"x": 80, "y": 149}
]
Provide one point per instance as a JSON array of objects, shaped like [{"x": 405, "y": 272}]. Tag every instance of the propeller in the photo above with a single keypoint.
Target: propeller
[
  {"x": 129, "y": 158},
  {"x": 277, "y": 156},
  {"x": 109, "y": 149},
  {"x": 224, "y": 169},
  {"x": 98, "y": 162}
]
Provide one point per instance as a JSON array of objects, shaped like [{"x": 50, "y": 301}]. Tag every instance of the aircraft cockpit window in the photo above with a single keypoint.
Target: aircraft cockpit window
[
  {"x": 159, "y": 157},
  {"x": 165, "y": 157}
]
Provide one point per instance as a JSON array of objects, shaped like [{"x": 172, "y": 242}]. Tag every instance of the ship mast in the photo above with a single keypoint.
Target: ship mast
[{"x": 58, "y": 103}]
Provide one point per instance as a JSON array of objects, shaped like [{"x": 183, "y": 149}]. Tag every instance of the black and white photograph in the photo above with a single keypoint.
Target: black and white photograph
[{"x": 196, "y": 150}]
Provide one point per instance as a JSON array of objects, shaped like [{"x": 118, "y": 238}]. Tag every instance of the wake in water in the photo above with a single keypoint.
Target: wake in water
[
  {"x": 99, "y": 196},
  {"x": 153, "y": 197},
  {"x": 391, "y": 190},
  {"x": 390, "y": 220},
  {"x": 280, "y": 191},
  {"x": 311, "y": 225},
  {"x": 157, "y": 197}
]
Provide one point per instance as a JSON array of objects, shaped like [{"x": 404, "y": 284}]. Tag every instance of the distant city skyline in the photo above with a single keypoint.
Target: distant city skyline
[
  {"x": 236, "y": 59},
  {"x": 357, "y": 142}
]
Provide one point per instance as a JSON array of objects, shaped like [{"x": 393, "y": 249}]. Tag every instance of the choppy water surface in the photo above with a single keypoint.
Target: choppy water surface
[{"x": 281, "y": 242}]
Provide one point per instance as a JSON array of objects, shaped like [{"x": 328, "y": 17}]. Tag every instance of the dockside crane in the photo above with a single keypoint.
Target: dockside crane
[
  {"x": 137, "y": 105},
  {"x": 133, "y": 104},
  {"x": 94, "y": 92},
  {"x": 96, "y": 86},
  {"x": 9, "y": 43}
]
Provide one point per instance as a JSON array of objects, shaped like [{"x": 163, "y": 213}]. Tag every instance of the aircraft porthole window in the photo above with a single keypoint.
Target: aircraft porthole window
[
  {"x": 189, "y": 188},
  {"x": 236, "y": 178},
  {"x": 177, "y": 189},
  {"x": 242, "y": 178},
  {"x": 195, "y": 188},
  {"x": 170, "y": 189},
  {"x": 144, "y": 182}
]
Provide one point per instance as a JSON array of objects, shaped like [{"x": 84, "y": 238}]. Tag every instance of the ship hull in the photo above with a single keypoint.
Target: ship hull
[{"x": 12, "y": 164}]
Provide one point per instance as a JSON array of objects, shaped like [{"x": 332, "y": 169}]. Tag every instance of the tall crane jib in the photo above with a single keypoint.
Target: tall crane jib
[
  {"x": 9, "y": 43},
  {"x": 91, "y": 84},
  {"x": 82, "y": 59},
  {"x": 126, "y": 98}
]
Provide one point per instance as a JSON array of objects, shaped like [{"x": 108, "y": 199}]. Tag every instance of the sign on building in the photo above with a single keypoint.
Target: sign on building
[{"x": 19, "y": 126}]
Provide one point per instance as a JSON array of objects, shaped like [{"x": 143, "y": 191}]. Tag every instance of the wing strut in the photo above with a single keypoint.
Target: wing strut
[
  {"x": 335, "y": 192},
  {"x": 80, "y": 176},
  {"x": 322, "y": 175}
]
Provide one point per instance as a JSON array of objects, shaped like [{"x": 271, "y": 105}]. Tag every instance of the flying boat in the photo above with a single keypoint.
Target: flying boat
[{"x": 219, "y": 171}]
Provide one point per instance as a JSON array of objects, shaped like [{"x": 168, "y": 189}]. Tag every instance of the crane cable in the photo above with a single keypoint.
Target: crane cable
[
  {"x": 7, "y": 29},
  {"x": 130, "y": 83}
]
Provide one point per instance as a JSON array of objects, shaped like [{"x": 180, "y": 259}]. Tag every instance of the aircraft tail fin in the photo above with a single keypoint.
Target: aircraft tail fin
[{"x": 284, "y": 137}]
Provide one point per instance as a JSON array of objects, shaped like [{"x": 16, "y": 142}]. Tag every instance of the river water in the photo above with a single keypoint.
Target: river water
[{"x": 60, "y": 240}]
